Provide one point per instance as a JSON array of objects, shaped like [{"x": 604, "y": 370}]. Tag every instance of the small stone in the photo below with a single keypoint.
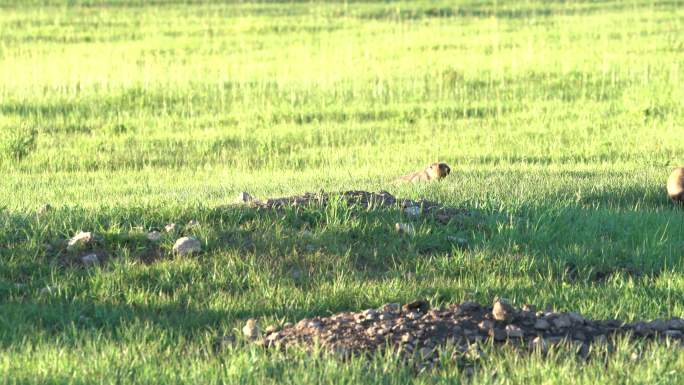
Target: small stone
[
  {"x": 391, "y": 308},
  {"x": 542, "y": 324},
  {"x": 467, "y": 306},
  {"x": 562, "y": 321},
  {"x": 413, "y": 211},
  {"x": 421, "y": 306},
  {"x": 502, "y": 310},
  {"x": 486, "y": 325},
  {"x": 170, "y": 228},
  {"x": 287, "y": 325},
  {"x": 498, "y": 334},
  {"x": 80, "y": 240},
  {"x": 514, "y": 331},
  {"x": 193, "y": 222},
  {"x": 187, "y": 246},
  {"x": 154, "y": 235},
  {"x": 271, "y": 329},
  {"x": 406, "y": 338},
  {"x": 676, "y": 324},
  {"x": 425, "y": 352},
  {"x": 244, "y": 197},
  {"x": 658, "y": 325},
  {"x": 90, "y": 259},
  {"x": 251, "y": 329},
  {"x": 370, "y": 314},
  {"x": 575, "y": 318},
  {"x": 529, "y": 308},
  {"x": 404, "y": 228},
  {"x": 673, "y": 334}
]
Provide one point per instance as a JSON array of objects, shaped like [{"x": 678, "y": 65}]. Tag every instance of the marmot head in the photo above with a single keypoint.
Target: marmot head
[
  {"x": 675, "y": 185},
  {"x": 438, "y": 170}
]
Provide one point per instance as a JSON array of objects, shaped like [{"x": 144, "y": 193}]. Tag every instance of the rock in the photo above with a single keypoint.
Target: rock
[
  {"x": 391, "y": 308},
  {"x": 529, "y": 308},
  {"x": 406, "y": 338},
  {"x": 154, "y": 236},
  {"x": 287, "y": 325},
  {"x": 658, "y": 325},
  {"x": 370, "y": 314},
  {"x": 170, "y": 228},
  {"x": 542, "y": 324},
  {"x": 251, "y": 329},
  {"x": 90, "y": 259},
  {"x": 271, "y": 329},
  {"x": 575, "y": 318},
  {"x": 42, "y": 210},
  {"x": 502, "y": 310},
  {"x": 405, "y": 228},
  {"x": 673, "y": 334},
  {"x": 192, "y": 223},
  {"x": 421, "y": 306},
  {"x": 413, "y": 211},
  {"x": 498, "y": 334},
  {"x": 80, "y": 240},
  {"x": 425, "y": 353},
  {"x": 514, "y": 331},
  {"x": 561, "y": 321},
  {"x": 187, "y": 246},
  {"x": 676, "y": 324},
  {"x": 486, "y": 325}
]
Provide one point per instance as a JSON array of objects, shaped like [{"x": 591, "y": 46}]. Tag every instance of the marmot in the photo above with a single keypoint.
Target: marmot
[
  {"x": 675, "y": 185},
  {"x": 434, "y": 171}
]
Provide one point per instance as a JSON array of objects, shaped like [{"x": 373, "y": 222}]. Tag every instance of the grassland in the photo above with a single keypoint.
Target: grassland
[{"x": 561, "y": 121}]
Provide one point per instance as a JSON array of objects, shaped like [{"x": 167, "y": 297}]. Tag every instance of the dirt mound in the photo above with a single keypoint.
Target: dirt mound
[
  {"x": 415, "y": 330},
  {"x": 365, "y": 200}
]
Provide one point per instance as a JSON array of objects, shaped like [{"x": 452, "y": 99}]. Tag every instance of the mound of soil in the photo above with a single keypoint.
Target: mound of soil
[
  {"x": 365, "y": 200},
  {"x": 415, "y": 330}
]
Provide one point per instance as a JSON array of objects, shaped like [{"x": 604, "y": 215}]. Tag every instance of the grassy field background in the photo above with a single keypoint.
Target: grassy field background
[{"x": 561, "y": 121}]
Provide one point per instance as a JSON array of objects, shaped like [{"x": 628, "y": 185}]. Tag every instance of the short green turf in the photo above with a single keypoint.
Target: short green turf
[{"x": 561, "y": 121}]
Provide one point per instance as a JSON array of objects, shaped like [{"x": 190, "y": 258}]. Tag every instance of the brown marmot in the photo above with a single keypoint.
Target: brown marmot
[
  {"x": 432, "y": 172},
  {"x": 675, "y": 185}
]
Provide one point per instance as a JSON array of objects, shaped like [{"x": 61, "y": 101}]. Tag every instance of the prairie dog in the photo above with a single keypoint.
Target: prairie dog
[
  {"x": 675, "y": 185},
  {"x": 435, "y": 171}
]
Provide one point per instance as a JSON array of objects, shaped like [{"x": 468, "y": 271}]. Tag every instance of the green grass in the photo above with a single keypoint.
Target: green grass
[{"x": 561, "y": 121}]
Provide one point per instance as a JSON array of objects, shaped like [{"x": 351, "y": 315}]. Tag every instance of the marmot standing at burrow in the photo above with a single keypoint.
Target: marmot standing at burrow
[
  {"x": 675, "y": 185},
  {"x": 434, "y": 171}
]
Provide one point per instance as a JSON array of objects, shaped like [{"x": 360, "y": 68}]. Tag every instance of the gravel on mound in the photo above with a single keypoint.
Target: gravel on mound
[
  {"x": 366, "y": 200},
  {"x": 415, "y": 330}
]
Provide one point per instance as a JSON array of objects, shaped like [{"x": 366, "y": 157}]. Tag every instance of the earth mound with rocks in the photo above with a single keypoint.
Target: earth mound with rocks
[
  {"x": 416, "y": 330},
  {"x": 362, "y": 199}
]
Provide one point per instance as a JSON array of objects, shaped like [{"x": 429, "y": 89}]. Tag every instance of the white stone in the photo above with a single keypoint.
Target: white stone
[
  {"x": 171, "y": 227},
  {"x": 186, "y": 246},
  {"x": 79, "y": 240},
  {"x": 251, "y": 329}
]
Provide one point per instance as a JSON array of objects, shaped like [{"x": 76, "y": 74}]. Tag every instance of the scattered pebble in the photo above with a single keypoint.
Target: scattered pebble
[
  {"x": 187, "y": 246},
  {"x": 154, "y": 236},
  {"x": 251, "y": 329},
  {"x": 170, "y": 228},
  {"x": 193, "y": 222},
  {"x": 80, "y": 240},
  {"x": 416, "y": 331}
]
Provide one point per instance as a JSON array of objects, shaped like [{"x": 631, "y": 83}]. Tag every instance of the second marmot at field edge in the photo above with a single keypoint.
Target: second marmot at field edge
[
  {"x": 435, "y": 171},
  {"x": 675, "y": 185}
]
